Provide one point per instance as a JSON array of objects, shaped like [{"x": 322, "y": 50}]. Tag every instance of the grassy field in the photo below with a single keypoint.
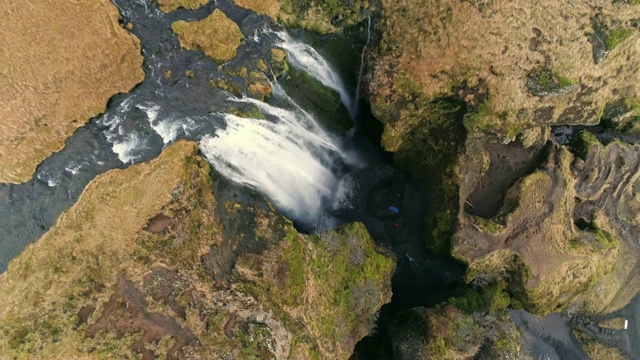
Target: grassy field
[
  {"x": 53, "y": 55},
  {"x": 266, "y": 7},
  {"x": 496, "y": 46},
  {"x": 216, "y": 35},
  {"x": 44, "y": 288}
]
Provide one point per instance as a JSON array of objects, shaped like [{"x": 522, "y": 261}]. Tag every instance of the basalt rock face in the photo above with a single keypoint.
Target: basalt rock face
[
  {"x": 152, "y": 263},
  {"x": 564, "y": 233}
]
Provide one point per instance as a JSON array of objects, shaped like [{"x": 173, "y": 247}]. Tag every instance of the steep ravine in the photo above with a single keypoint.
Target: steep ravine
[
  {"x": 548, "y": 221},
  {"x": 154, "y": 238}
]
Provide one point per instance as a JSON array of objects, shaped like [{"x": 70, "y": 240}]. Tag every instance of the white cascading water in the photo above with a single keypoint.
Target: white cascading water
[
  {"x": 354, "y": 111},
  {"x": 305, "y": 57},
  {"x": 289, "y": 159}
]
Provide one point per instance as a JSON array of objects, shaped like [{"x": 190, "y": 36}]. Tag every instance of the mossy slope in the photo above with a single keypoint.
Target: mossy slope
[
  {"x": 149, "y": 262},
  {"x": 321, "y": 16}
]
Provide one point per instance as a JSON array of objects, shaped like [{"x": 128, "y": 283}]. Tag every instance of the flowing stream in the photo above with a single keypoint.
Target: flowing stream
[
  {"x": 286, "y": 156},
  {"x": 307, "y": 58},
  {"x": 316, "y": 177},
  {"x": 302, "y": 168},
  {"x": 354, "y": 111}
]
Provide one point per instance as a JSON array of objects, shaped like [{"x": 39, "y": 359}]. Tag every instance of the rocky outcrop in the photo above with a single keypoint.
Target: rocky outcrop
[
  {"x": 524, "y": 211},
  {"x": 468, "y": 91},
  {"x": 534, "y": 60},
  {"x": 478, "y": 70},
  {"x": 151, "y": 262},
  {"x": 448, "y": 333},
  {"x": 559, "y": 230},
  {"x": 171, "y": 5},
  {"x": 55, "y": 54}
]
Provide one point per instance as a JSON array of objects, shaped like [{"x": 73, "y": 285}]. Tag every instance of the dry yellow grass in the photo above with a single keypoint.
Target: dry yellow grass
[
  {"x": 596, "y": 349},
  {"x": 217, "y": 35},
  {"x": 266, "y": 7},
  {"x": 60, "y": 65},
  {"x": 428, "y": 46},
  {"x": 171, "y": 5},
  {"x": 132, "y": 266},
  {"x": 89, "y": 244},
  {"x": 539, "y": 232}
]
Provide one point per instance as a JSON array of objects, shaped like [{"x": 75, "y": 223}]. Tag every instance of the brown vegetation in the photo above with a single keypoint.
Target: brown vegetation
[
  {"x": 445, "y": 332},
  {"x": 430, "y": 47},
  {"x": 60, "y": 65},
  {"x": 321, "y": 16},
  {"x": 266, "y": 7},
  {"x": 77, "y": 262},
  {"x": 145, "y": 265},
  {"x": 216, "y": 35},
  {"x": 565, "y": 234}
]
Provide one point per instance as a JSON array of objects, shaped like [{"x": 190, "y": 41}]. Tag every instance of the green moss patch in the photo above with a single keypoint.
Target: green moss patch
[
  {"x": 249, "y": 111},
  {"x": 581, "y": 144},
  {"x": 492, "y": 299},
  {"x": 310, "y": 93},
  {"x": 617, "y": 36},
  {"x": 543, "y": 82},
  {"x": 338, "y": 279},
  {"x": 323, "y": 16}
]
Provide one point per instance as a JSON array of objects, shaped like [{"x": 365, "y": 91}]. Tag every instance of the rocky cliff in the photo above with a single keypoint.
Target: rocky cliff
[
  {"x": 482, "y": 100},
  {"x": 152, "y": 262}
]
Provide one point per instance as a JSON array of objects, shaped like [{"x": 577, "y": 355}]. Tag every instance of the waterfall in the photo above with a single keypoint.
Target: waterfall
[
  {"x": 306, "y": 58},
  {"x": 354, "y": 111},
  {"x": 287, "y": 156}
]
